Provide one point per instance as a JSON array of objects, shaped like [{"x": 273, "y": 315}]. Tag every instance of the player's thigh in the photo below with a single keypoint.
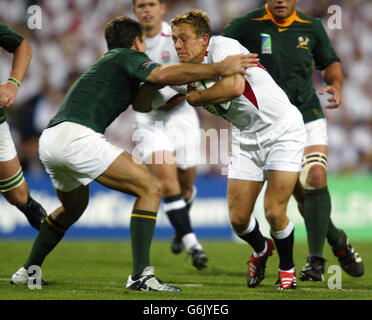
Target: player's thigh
[
  {"x": 166, "y": 172},
  {"x": 242, "y": 196},
  {"x": 127, "y": 176},
  {"x": 280, "y": 186}
]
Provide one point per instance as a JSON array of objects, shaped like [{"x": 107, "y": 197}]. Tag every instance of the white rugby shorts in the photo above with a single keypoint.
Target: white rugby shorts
[
  {"x": 279, "y": 147},
  {"x": 75, "y": 155},
  {"x": 316, "y": 132},
  {"x": 175, "y": 132},
  {"x": 7, "y": 148}
]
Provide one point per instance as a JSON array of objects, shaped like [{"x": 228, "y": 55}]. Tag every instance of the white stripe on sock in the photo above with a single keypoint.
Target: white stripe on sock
[
  {"x": 174, "y": 205},
  {"x": 252, "y": 224},
  {"x": 283, "y": 233},
  {"x": 190, "y": 241}
]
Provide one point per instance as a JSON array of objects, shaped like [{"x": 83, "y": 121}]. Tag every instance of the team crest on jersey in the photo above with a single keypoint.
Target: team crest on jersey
[
  {"x": 147, "y": 65},
  {"x": 303, "y": 43},
  {"x": 165, "y": 56}
]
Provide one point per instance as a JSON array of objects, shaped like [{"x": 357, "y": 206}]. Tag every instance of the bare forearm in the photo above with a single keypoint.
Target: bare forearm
[
  {"x": 333, "y": 75},
  {"x": 142, "y": 102},
  {"x": 177, "y": 74},
  {"x": 21, "y": 61}
]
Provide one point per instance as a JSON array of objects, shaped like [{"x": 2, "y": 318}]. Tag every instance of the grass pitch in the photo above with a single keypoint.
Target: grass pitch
[{"x": 98, "y": 270}]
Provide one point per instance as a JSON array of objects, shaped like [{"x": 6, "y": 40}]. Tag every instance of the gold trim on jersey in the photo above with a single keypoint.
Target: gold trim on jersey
[{"x": 286, "y": 22}]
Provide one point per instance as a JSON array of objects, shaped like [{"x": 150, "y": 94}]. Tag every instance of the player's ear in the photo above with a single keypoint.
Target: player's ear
[{"x": 205, "y": 40}]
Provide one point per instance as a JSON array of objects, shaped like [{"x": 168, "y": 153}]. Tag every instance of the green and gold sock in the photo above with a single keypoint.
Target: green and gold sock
[
  {"x": 50, "y": 234},
  {"x": 142, "y": 225},
  {"x": 317, "y": 211}
]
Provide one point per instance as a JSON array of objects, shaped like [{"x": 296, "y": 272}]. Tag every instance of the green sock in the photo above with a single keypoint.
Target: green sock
[
  {"x": 46, "y": 240},
  {"x": 334, "y": 236},
  {"x": 317, "y": 211},
  {"x": 142, "y": 225}
]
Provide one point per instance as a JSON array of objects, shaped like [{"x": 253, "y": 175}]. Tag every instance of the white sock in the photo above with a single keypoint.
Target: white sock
[{"x": 190, "y": 241}]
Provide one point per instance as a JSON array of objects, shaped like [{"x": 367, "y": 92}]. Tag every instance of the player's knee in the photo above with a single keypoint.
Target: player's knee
[
  {"x": 169, "y": 185},
  {"x": 239, "y": 223},
  {"x": 314, "y": 171},
  {"x": 274, "y": 215},
  {"x": 317, "y": 177},
  {"x": 154, "y": 188}
]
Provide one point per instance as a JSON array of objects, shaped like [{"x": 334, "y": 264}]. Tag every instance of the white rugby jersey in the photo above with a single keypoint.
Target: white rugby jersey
[
  {"x": 161, "y": 50},
  {"x": 263, "y": 101}
]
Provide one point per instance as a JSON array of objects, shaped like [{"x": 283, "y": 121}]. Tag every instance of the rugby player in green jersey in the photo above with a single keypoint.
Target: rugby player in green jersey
[
  {"x": 74, "y": 151},
  {"x": 289, "y": 41},
  {"x": 13, "y": 185}
]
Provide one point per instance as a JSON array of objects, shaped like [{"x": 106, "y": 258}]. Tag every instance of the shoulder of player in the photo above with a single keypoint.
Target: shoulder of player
[{"x": 312, "y": 22}]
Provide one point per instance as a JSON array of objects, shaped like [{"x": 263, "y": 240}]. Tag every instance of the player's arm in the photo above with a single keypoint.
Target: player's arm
[
  {"x": 144, "y": 97},
  {"x": 188, "y": 72},
  {"x": 223, "y": 90},
  {"x": 334, "y": 78},
  {"x": 21, "y": 61}
]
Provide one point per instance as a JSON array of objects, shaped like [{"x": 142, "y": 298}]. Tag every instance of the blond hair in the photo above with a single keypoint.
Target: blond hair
[{"x": 198, "y": 19}]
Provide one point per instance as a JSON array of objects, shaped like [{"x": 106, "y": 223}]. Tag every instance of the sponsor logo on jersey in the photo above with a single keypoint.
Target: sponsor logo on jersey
[
  {"x": 303, "y": 43},
  {"x": 147, "y": 65},
  {"x": 266, "y": 43},
  {"x": 282, "y": 29}
]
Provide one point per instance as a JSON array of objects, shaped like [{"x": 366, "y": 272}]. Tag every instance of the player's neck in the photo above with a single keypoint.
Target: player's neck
[{"x": 152, "y": 32}]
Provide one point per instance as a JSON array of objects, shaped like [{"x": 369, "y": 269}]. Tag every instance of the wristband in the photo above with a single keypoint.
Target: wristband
[{"x": 15, "y": 81}]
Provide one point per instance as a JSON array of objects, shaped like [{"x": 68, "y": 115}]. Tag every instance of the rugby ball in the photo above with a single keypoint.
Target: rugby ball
[{"x": 217, "y": 109}]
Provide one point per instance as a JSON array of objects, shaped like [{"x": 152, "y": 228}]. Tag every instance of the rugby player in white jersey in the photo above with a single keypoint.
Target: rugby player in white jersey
[
  {"x": 268, "y": 138},
  {"x": 168, "y": 139}
]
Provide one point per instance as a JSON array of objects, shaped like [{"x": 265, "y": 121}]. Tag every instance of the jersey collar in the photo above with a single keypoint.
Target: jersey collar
[{"x": 286, "y": 23}]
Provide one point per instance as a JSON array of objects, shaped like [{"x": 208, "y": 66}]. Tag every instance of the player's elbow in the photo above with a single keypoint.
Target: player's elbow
[{"x": 237, "y": 88}]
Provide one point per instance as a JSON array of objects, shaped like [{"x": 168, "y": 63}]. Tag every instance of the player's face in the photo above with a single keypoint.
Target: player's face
[
  {"x": 281, "y": 9},
  {"x": 149, "y": 13},
  {"x": 189, "y": 47}
]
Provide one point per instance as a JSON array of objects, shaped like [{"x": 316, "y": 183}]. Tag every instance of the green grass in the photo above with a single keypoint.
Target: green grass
[{"x": 89, "y": 270}]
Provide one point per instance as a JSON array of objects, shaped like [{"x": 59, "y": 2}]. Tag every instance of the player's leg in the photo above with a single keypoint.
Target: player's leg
[
  {"x": 12, "y": 183},
  {"x": 127, "y": 176},
  {"x": 53, "y": 229},
  {"x": 242, "y": 195},
  {"x": 316, "y": 212},
  {"x": 199, "y": 259},
  {"x": 280, "y": 186}
]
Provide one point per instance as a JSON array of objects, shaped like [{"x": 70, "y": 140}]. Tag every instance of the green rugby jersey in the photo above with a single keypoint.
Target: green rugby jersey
[
  {"x": 287, "y": 51},
  {"x": 9, "y": 40},
  {"x": 105, "y": 90}
]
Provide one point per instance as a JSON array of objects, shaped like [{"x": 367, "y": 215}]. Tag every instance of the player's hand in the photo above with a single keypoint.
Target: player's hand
[
  {"x": 238, "y": 64},
  {"x": 335, "y": 100},
  {"x": 8, "y": 93}
]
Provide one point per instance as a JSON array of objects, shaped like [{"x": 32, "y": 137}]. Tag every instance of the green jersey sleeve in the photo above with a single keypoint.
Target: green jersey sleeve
[
  {"x": 137, "y": 64},
  {"x": 9, "y": 39},
  {"x": 324, "y": 54}
]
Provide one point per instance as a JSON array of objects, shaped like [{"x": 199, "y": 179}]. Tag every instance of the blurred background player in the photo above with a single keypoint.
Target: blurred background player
[
  {"x": 289, "y": 41},
  {"x": 74, "y": 150},
  {"x": 13, "y": 185},
  {"x": 268, "y": 137},
  {"x": 170, "y": 136}
]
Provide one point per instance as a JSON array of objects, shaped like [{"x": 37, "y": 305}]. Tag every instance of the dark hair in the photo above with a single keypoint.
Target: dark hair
[{"x": 121, "y": 32}]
